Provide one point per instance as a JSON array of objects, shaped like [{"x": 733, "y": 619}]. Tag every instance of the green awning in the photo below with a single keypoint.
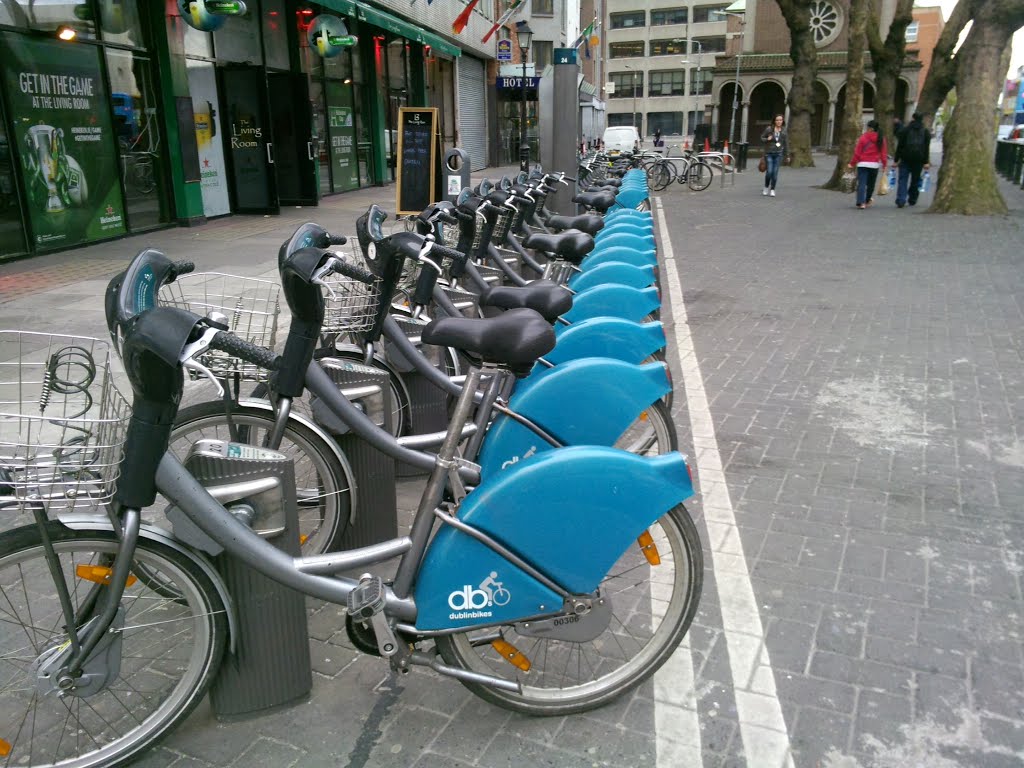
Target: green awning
[
  {"x": 402, "y": 28},
  {"x": 347, "y": 7}
]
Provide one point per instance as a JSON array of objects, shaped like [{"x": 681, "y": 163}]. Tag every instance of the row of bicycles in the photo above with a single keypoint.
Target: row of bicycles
[
  {"x": 695, "y": 170},
  {"x": 550, "y": 565}
]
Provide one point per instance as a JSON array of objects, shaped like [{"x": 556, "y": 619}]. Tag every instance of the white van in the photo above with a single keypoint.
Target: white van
[{"x": 623, "y": 138}]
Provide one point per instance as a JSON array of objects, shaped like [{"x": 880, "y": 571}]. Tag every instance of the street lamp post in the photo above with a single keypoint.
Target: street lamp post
[
  {"x": 525, "y": 36},
  {"x": 632, "y": 84}
]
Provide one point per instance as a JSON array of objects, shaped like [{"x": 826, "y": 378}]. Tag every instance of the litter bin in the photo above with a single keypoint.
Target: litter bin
[{"x": 455, "y": 171}]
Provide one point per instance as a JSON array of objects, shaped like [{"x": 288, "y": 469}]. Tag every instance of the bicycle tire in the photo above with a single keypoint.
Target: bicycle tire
[
  {"x": 673, "y": 605},
  {"x": 652, "y": 433},
  {"x": 323, "y": 482},
  {"x": 183, "y": 636},
  {"x": 699, "y": 176},
  {"x": 659, "y": 177}
]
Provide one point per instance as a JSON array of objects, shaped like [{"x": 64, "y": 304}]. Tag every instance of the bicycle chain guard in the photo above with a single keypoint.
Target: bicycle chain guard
[{"x": 580, "y": 622}]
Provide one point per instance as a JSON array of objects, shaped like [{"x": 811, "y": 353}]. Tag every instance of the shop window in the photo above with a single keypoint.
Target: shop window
[
  {"x": 28, "y": 14},
  {"x": 119, "y": 22},
  {"x": 12, "y": 232},
  {"x": 673, "y": 47},
  {"x": 665, "y": 16},
  {"x": 275, "y": 33},
  {"x": 239, "y": 40},
  {"x": 628, "y": 20},
  {"x": 626, "y": 50},
  {"x": 199, "y": 44},
  {"x": 139, "y": 138},
  {"x": 671, "y": 83}
]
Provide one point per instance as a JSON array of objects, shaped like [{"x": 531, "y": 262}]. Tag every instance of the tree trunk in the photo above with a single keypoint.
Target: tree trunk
[
  {"x": 853, "y": 105},
  {"x": 941, "y": 75},
  {"x": 887, "y": 61},
  {"x": 967, "y": 178},
  {"x": 804, "y": 55}
]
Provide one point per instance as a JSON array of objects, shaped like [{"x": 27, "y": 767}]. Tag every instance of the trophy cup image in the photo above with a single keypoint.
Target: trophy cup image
[{"x": 53, "y": 173}]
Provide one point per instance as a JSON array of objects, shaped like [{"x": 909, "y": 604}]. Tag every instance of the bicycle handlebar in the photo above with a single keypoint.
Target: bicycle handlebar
[
  {"x": 245, "y": 350},
  {"x": 352, "y": 271}
]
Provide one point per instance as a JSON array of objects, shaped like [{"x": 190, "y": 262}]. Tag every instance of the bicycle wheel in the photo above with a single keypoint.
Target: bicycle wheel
[
  {"x": 652, "y": 434},
  {"x": 699, "y": 175},
  {"x": 324, "y": 484},
  {"x": 651, "y": 606},
  {"x": 659, "y": 176},
  {"x": 169, "y": 651}
]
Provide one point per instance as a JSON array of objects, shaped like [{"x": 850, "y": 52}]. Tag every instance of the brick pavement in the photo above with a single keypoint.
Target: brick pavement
[{"x": 864, "y": 385}]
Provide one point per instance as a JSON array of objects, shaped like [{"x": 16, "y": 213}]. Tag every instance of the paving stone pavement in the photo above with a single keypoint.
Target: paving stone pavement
[{"x": 863, "y": 383}]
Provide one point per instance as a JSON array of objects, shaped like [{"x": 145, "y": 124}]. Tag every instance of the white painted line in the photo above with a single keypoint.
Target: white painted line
[{"x": 762, "y": 726}]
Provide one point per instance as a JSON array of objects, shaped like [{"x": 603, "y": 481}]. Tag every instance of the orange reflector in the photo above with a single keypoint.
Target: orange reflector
[
  {"x": 5, "y": 748},
  {"x": 303, "y": 538},
  {"x": 511, "y": 654},
  {"x": 643, "y": 416},
  {"x": 100, "y": 574},
  {"x": 648, "y": 547}
]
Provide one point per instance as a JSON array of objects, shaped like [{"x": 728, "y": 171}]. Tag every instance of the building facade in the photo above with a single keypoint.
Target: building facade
[{"x": 120, "y": 116}]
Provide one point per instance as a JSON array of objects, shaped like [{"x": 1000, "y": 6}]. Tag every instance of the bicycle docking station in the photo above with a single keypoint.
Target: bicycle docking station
[
  {"x": 369, "y": 389},
  {"x": 270, "y": 663},
  {"x": 428, "y": 405}
]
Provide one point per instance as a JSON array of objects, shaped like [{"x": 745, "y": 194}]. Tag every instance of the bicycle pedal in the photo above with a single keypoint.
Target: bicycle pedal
[{"x": 367, "y": 599}]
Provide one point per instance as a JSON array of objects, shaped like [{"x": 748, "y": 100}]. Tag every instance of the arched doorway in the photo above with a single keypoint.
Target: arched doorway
[
  {"x": 819, "y": 115},
  {"x": 869, "y": 108},
  {"x": 725, "y": 111},
  {"x": 766, "y": 101}
]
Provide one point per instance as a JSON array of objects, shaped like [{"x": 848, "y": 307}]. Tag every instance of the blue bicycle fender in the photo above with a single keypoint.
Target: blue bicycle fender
[
  {"x": 614, "y": 273},
  {"x": 626, "y": 227},
  {"x": 636, "y": 242},
  {"x": 570, "y": 513},
  {"x": 613, "y": 301},
  {"x": 581, "y": 402},
  {"x": 640, "y": 258},
  {"x": 631, "y": 198},
  {"x": 608, "y": 337}
]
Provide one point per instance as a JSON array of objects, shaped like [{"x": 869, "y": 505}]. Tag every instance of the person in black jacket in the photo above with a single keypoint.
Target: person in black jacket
[{"x": 912, "y": 156}]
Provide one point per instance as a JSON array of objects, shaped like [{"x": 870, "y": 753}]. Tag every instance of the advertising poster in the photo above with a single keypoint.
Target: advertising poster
[
  {"x": 341, "y": 125},
  {"x": 202, "y": 87},
  {"x": 65, "y": 143}
]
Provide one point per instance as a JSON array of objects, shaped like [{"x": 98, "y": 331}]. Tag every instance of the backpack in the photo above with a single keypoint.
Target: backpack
[{"x": 915, "y": 142}]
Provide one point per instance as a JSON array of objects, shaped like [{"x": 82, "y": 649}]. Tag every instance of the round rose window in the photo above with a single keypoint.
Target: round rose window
[{"x": 826, "y": 22}]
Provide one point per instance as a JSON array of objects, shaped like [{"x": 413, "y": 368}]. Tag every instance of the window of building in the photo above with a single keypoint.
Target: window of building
[
  {"x": 628, "y": 20},
  {"x": 670, "y": 123},
  {"x": 912, "y": 32},
  {"x": 615, "y": 121},
  {"x": 542, "y": 52},
  {"x": 826, "y": 21},
  {"x": 673, "y": 47},
  {"x": 664, "y": 16},
  {"x": 542, "y": 7},
  {"x": 667, "y": 83},
  {"x": 700, "y": 82},
  {"x": 708, "y": 13},
  {"x": 711, "y": 44},
  {"x": 627, "y": 84},
  {"x": 626, "y": 50}
]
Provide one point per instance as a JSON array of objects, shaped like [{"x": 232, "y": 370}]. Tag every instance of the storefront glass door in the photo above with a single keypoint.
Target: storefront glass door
[
  {"x": 295, "y": 154},
  {"x": 250, "y": 144},
  {"x": 12, "y": 233}
]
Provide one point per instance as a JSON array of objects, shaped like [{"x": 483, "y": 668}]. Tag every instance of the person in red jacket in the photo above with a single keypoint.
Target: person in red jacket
[{"x": 870, "y": 156}]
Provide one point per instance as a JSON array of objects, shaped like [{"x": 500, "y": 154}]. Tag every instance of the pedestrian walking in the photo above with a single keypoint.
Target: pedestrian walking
[
  {"x": 776, "y": 145},
  {"x": 912, "y": 156},
  {"x": 870, "y": 155},
  {"x": 657, "y": 137}
]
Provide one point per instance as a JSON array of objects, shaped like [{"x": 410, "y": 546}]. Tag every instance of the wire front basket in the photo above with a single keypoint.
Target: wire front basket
[
  {"x": 251, "y": 307},
  {"x": 351, "y": 304},
  {"x": 63, "y": 422}
]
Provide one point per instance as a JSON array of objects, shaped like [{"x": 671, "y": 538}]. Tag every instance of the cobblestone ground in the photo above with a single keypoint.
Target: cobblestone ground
[{"x": 850, "y": 389}]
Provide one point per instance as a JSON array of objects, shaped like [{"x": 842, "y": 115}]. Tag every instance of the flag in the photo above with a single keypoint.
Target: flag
[
  {"x": 513, "y": 9},
  {"x": 584, "y": 35},
  {"x": 463, "y": 18}
]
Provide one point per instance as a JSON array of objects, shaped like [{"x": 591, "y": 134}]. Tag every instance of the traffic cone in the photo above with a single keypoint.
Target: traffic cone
[
  {"x": 707, "y": 145},
  {"x": 725, "y": 149}
]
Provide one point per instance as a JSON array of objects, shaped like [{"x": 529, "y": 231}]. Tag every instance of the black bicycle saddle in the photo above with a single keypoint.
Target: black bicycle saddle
[
  {"x": 572, "y": 245},
  {"x": 590, "y": 223},
  {"x": 515, "y": 338},
  {"x": 545, "y": 297}
]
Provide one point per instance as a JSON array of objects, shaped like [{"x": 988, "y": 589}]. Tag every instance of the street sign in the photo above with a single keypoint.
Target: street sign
[
  {"x": 565, "y": 55},
  {"x": 516, "y": 83},
  {"x": 609, "y": 87},
  {"x": 504, "y": 50}
]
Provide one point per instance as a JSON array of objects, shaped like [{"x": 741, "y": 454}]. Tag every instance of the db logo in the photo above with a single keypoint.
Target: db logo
[{"x": 469, "y": 599}]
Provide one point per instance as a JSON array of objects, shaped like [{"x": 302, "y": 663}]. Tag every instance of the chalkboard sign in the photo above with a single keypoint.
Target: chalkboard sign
[{"x": 417, "y": 158}]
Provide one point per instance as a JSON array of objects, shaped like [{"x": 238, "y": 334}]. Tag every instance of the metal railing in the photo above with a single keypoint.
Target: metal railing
[{"x": 1010, "y": 160}]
